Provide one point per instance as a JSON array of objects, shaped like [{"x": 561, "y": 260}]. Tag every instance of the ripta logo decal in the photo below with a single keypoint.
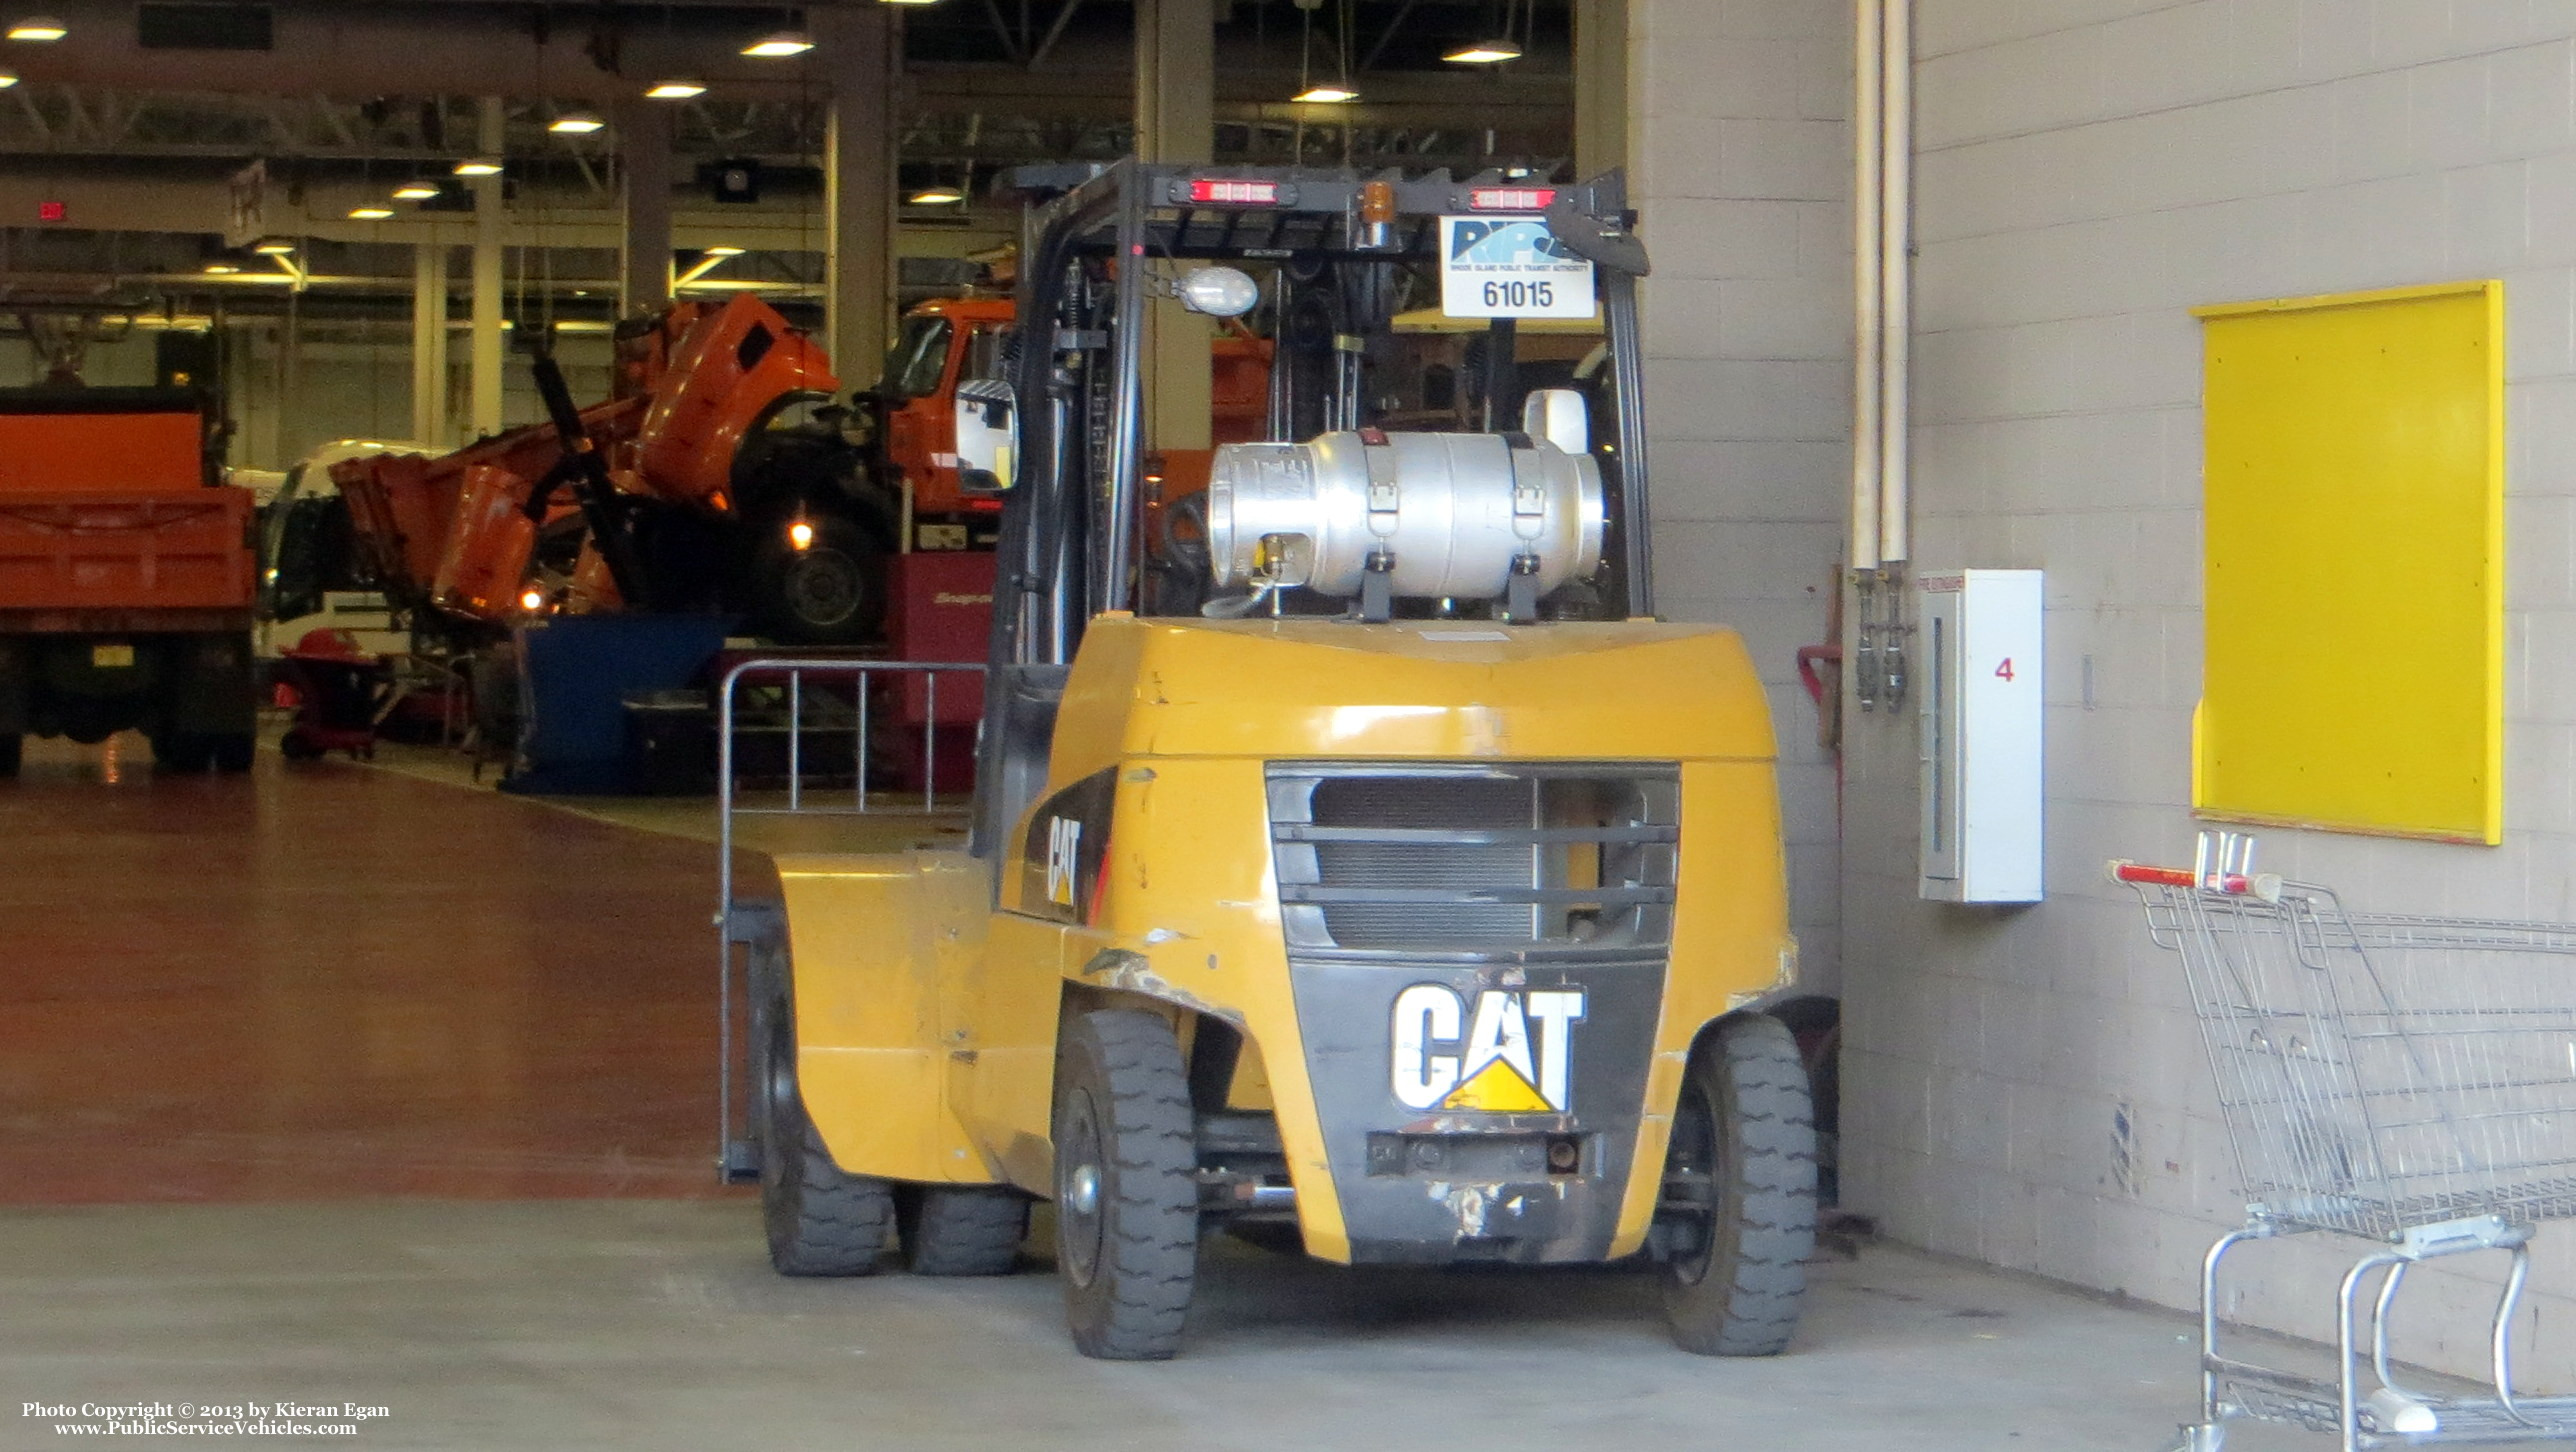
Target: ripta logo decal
[
  {"x": 1514, "y": 1054},
  {"x": 1064, "y": 851}
]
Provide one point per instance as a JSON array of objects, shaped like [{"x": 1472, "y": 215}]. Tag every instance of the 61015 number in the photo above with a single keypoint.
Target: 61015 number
[{"x": 1520, "y": 294}]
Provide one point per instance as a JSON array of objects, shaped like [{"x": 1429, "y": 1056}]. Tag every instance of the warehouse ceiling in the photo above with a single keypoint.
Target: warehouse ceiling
[{"x": 116, "y": 150}]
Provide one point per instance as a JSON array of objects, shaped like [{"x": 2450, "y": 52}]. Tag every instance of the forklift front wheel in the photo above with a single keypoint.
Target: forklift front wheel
[
  {"x": 1740, "y": 1181},
  {"x": 821, "y": 1220},
  {"x": 1126, "y": 1189}
]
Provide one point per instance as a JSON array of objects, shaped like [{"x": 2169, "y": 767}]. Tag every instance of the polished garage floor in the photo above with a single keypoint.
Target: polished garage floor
[
  {"x": 340, "y": 1084},
  {"x": 332, "y": 981}
]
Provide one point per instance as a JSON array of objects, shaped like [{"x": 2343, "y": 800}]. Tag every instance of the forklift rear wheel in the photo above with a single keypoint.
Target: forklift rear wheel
[
  {"x": 821, "y": 1220},
  {"x": 233, "y": 751},
  {"x": 1743, "y": 1166},
  {"x": 296, "y": 746},
  {"x": 1126, "y": 1188},
  {"x": 966, "y": 1230},
  {"x": 13, "y": 749}
]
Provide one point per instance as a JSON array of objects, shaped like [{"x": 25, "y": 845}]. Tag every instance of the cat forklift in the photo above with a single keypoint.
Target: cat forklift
[{"x": 1365, "y": 870}]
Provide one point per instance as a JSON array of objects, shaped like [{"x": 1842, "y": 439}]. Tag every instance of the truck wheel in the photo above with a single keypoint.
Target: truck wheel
[
  {"x": 966, "y": 1230},
  {"x": 1126, "y": 1188},
  {"x": 13, "y": 749},
  {"x": 832, "y": 592},
  {"x": 233, "y": 751},
  {"x": 821, "y": 1220},
  {"x": 182, "y": 751},
  {"x": 1742, "y": 1171}
]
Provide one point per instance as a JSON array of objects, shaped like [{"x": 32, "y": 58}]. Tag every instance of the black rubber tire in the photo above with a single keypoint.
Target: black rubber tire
[
  {"x": 183, "y": 751},
  {"x": 13, "y": 753},
  {"x": 821, "y": 1221},
  {"x": 233, "y": 751},
  {"x": 1122, "y": 1119},
  {"x": 965, "y": 1230},
  {"x": 1745, "y": 1124},
  {"x": 831, "y": 593},
  {"x": 296, "y": 746}
]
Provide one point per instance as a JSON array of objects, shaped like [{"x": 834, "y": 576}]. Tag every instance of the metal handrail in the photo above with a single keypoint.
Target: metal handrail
[{"x": 732, "y": 1153}]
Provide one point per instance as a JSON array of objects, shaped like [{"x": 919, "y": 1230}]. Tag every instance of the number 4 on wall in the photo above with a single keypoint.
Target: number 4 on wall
[{"x": 2004, "y": 672}]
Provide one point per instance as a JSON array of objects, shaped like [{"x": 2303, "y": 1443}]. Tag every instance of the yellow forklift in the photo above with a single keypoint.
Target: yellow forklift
[{"x": 1357, "y": 863}]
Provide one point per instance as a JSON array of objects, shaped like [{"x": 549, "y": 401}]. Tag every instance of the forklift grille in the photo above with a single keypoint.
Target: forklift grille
[{"x": 1474, "y": 861}]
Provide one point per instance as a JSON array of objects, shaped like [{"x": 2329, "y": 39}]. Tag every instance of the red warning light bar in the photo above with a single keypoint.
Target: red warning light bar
[
  {"x": 1234, "y": 193},
  {"x": 1512, "y": 199}
]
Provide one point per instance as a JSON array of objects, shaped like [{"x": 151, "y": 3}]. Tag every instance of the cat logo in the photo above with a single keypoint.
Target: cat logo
[
  {"x": 1513, "y": 1055},
  {"x": 1064, "y": 843}
]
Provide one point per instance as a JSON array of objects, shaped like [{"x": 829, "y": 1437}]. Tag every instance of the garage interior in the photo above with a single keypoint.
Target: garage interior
[{"x": 493, "y": 877}]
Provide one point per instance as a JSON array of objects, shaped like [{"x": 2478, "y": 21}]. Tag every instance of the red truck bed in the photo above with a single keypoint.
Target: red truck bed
[
  {"x": 106, "y": 518},
  {"x": 66, "y": 550}
]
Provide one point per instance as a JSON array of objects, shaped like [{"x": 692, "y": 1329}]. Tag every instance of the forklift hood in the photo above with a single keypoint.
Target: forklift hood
[{"x": 1296, "y": 687}]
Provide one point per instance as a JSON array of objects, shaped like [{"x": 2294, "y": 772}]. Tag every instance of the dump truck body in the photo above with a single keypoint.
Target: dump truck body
[{"x": 126, "y": 578}]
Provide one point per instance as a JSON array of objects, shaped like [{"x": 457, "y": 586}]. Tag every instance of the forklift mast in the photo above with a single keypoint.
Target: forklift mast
[{"x": 1345, "y": 250}]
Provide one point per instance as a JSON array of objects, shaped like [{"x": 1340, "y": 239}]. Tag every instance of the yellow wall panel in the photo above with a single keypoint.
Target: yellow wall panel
[{"x": 2354, "y": 556}]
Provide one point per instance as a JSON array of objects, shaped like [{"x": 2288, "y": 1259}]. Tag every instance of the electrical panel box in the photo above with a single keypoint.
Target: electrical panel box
[{"x": 1977, "y": 644}]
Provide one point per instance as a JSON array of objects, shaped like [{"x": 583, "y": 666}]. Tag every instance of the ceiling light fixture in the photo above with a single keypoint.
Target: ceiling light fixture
[
  {"x": 220, "y": 269},
  {"x": 577, "y": 123},
  {"x": 1326, "y": 95},
  {"x": 721, "y": 252},
  {"x": 8, "y": 79},
  {"x": 478, "y": 166},
  {"x": 780, "y": 44},
  {"x": 274, "y": 247},
  {"x": 39, "y": 28},
  {"x": 674, "y": 91},
  {"x": 1484, "y": 53},
  {"x": 419, "y": 191},
  {"x": 937, "y": 197},
  {"x": 369, "y": 214}
]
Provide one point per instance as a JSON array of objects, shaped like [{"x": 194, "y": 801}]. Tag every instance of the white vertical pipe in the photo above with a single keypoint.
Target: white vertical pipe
[
  {"x": 484, "y": 393},
  {"x": 429, "y": 342},
  {"x": 1896, "y": 314},
  {"x": 1869, "y": 239}
]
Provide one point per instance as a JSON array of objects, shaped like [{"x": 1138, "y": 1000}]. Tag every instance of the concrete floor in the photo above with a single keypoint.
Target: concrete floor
[
  {"x": 647, "y": 1325},
  {"x": 431, "y": 1069}
]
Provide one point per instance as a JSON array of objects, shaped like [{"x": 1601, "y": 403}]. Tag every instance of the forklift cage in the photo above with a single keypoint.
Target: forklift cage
[{"x": 1131, "y": 209}]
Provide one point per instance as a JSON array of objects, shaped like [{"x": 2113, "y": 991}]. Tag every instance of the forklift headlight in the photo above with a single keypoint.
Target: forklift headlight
[
  {"x": 1219, "y": 292},
  {"x": 800, "y": 536},
  {"x": 532, "y": 601}
]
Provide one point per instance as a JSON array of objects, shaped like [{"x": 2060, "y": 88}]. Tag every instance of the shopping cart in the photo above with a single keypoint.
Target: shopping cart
[{"x": 2410, "y": 1080}]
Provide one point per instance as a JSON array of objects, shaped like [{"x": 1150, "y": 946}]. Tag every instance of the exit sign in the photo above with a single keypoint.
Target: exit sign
[{"x": 51, "y": 211}]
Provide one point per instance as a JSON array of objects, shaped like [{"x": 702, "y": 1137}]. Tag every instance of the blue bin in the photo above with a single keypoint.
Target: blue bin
[{"x": 575, "y": 673}]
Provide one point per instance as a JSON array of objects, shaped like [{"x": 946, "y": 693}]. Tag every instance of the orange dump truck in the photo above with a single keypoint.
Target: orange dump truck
[{"x": 126, "y": 577}]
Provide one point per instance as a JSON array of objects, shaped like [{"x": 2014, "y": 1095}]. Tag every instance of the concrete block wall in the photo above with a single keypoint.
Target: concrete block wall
[
  {"x": 1740, "y": 162},
  {"x": 2027, "y": 1086}
]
